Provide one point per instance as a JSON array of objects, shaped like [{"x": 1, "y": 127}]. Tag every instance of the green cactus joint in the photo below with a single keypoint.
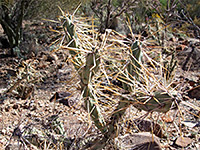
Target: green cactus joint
[{"x": 159, "y": 102}]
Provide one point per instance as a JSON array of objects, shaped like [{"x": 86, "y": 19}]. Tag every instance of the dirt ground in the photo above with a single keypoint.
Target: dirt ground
[{"x": 59, "y": 76}]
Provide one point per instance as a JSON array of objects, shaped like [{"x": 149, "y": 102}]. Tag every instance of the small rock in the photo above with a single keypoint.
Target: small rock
[
  {"x": 183, "y": 141},
  {"x": 40, "y": 104},
  {"x": 198, "y": 146},
  {"x": 3, "y": 131},
  {"x": 147, "y": 126},
  {"x": 11, "y": 72},
  {"x": 189, "y": 124},
  {"x": 7, "y": 108},
  {"x": 32, "y": 106},
  {"x": 135, "y": 141},
  {"x": 12, "y": 101},
  {"x": 167, "y": 119},
  {"x": 14, "y": 112},
  {"x": 194, "y": 92},
  {"x": 15, "y": 106},
  {"x": 26, "y": 105},
  {"x": 61, "y": 97}
]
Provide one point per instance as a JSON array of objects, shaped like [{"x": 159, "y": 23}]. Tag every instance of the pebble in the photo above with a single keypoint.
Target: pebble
[
  {"x": 15, "y": 106},
  {"x": 7, "y": 108},
  {"x": 183, "y": 141}
]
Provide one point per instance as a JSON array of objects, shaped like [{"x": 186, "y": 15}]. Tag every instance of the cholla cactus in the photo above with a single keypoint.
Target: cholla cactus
[
  {"x": 106, "y": 64},
  {"x": 87, "y": 64}
]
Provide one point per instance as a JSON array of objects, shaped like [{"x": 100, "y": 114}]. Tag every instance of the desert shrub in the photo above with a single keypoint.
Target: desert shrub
[
  {"x": 11, "y": 17},
  {"x": 49, "y": 8},
  {"x": 193, "y": 9}
]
